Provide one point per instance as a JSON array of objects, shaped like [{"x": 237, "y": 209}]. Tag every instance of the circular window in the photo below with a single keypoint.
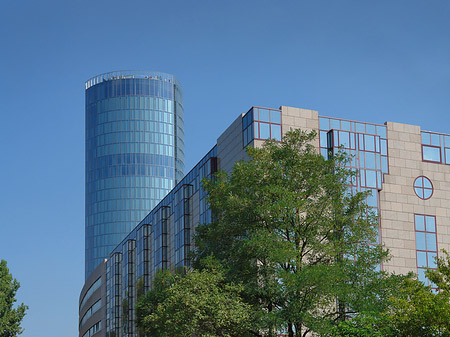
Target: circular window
[{"x": 423, "y": 187}]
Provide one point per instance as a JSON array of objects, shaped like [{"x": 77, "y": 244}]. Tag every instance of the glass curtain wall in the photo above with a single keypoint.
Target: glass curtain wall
[{"x": 134, "y": 153}]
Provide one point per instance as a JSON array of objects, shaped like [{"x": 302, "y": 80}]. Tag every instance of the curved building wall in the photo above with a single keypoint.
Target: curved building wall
[{"x": 134, "y": 153}]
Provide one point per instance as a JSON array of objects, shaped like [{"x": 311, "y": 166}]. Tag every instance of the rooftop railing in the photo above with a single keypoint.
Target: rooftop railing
[{"x": 127, "y": 74}]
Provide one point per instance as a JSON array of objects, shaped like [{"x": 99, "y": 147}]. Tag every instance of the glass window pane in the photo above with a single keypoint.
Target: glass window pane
[
  {"x": 427, "y": 193},
  {"x": 264, "y": 130},
  {"x": 431, "y": 153},
  {"x": 425, "y": 138},
  {"x": 384, "y": 164},
  {"x": 275, "y": 116},
  {"x": 324, "y": 153},
  {"x": 371, "y": 179},
  {"x": 345, "y": 125},
  {"x": 360, "y": 127},
  {"x": 323, "y": 139},
  {"x": 370, "y": 160},
  {"x": 344, "y": 139},
  {"x": 420, "y": 223},
  {"x": 447, "y": 141},
  {"x": 369, "y": 143},
  {"x": 381, "y": 131},
  {"x": 372, "y": 199},
  {"x": 335, "y": 124},
  {"x": 353, "y": 143},
  {"x": 431, "y": 224},
  {"x": 421, "y": 259},
  {"x": 427, "y": 183},
  {"x": 264, "y": 115},
  {"x": 418, "y": 182},
  {"x": 419, "y": 192},
  {"x": 370, "y": 129},
  {"x": 432, "y": 260},
  {"x": 435, "y": 139},
  {"x": 420, "y": 241},
  {"x": 447, "y": 156},
  {"x": 245, "y": 121},
  {"x": 431, "y": 242},
  {"x": 275, "y": 131},
  {"x": 383, "y": 147},
  {"x": 362, "y": 173},
  {"x": 324, "y": 123},
  {"x": 361, "y": 142}
]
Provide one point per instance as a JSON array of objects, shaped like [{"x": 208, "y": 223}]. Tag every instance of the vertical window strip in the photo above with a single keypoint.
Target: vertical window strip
[{"x": 426, "y": 245}]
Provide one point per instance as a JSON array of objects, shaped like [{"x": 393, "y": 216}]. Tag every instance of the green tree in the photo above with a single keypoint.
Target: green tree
[
  {"x": 198, "y": 303},
  {"x": 365, "y": 325},
  {"x": 10, "y": 318},
  {"x": 286, "y": 227},
  {"x": 419, "y": 311},
  {"x": 415, "y": 310}
]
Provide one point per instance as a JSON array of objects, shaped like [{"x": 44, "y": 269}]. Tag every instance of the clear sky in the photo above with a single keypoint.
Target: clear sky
[{"x": 362, "y": 59}]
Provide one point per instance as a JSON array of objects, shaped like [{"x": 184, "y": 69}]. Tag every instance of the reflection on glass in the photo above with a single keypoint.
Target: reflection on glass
[
  {"x": 324, "y": 123},
  {"x": 432, "y": 260},
  {"x": 275, "y": 132},
  {"x": 431, "y": 153},
  {"x": 323, "y": 139},
  {"x": 420, "y": 241},
  {"x": 335, "y": 124},
  {"x": 360, "y": 127},
  {"x": 435, "y": 139},
  {"x": 431, "y": 224},
  {"x": 264, "y": 130},
  {"x": 381, "y": 131},
  {"x": 264, "y": 115},
  {"x": 431, "y": 241},
  {"x": 371, "y": 179},
  {"x": 421, "y": 259},
  {"x": 369, "y": 143},
  {"x": 344, "y": 139},
  {"x": 370, "y": 160},
  {"x": 420, "y": 223},
  {"x": 427, "y": 193},
  {"x": 345, "y": 125},
  {"x": 275, "y": 116},
  {"x": 370, "y": 129}
]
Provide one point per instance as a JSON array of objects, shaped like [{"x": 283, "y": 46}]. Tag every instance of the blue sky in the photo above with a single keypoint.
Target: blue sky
[{"x": 363, "y": 60}]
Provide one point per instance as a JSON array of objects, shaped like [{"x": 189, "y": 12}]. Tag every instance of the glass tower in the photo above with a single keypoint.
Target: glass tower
[{"x": 134, "y": 153}]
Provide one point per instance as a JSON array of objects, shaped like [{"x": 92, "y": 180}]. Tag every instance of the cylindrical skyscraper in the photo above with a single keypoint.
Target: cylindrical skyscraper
[{"x": 134, "y": 153}]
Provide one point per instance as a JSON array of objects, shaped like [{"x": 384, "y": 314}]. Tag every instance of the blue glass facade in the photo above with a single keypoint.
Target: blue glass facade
[
  {"x": 162, "y": 240},
  {"x": 134, "y": 153}
]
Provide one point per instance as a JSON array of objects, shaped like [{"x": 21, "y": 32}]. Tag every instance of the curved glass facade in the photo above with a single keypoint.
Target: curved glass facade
[{"x": 134, "y": 153}]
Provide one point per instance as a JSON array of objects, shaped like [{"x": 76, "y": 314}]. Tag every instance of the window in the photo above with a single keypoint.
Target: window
[
  {"x": 261, "y": 123},
  {"x": 90, "y": 291},
  {"x": 431, "y": 153},
  {"x": 423, "y": 187},
  {"x": 426, "y": 244},
  {"x": 435, "y": 147}
]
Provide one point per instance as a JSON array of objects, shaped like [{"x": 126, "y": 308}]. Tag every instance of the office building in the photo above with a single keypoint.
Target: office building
[
  {"x": 407, "y": 169},
  {"x": 134, "y": 153}
]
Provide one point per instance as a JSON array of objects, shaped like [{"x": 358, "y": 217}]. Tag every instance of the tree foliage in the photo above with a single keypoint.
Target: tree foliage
[
  {"x": 10, "y": 317},
  {"x": 287, "y": 228},
  {"x": 198, "y": 303},
  {"x": 415, "y": 310}
]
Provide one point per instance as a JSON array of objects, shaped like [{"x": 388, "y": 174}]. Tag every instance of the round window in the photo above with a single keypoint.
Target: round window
[{"x": 423, "y": 187}]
